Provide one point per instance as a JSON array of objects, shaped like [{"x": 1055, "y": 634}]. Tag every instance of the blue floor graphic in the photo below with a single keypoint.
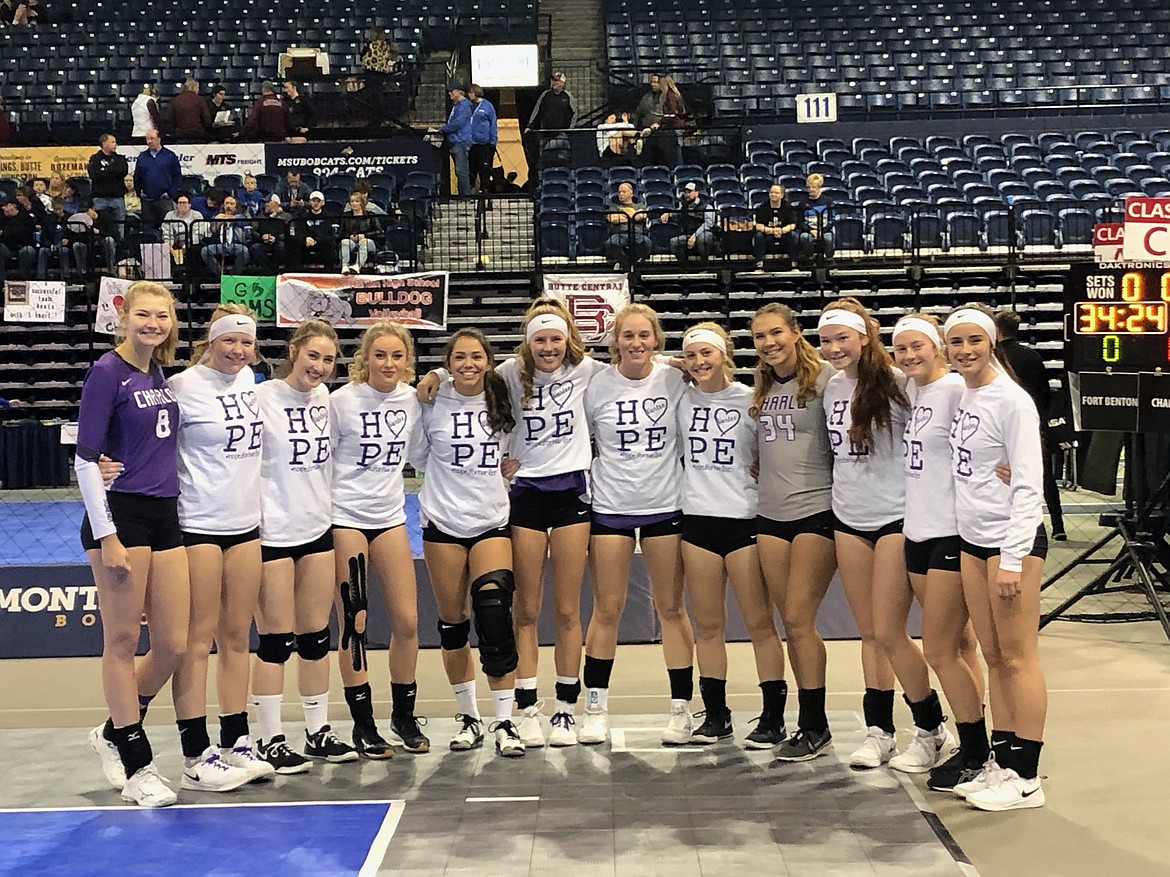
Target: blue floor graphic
[{"x": 293, "y": 840}]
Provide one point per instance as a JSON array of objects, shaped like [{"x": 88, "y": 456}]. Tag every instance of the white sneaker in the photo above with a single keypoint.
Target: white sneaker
[
  {"x": 1012, "y": 792},
  {"x": 469, "y": 735},
  {"x": 243, "y": 755},
  {"x": 562, "y": 732},
  {"x": 679, "y": 727},
  {"x": 989, "y": 776},
  {"x": 529, "y": 727},
  {"x": 925, "y": 750},
  {"x": 147, "y": 789},
  {"x": 508, "y": 742},
  {"x": 210, "y": 773},
  {"x": 111, "y": 760},
  {"x": 874, "y": 751},
  {"x": 594, "y": 726}
]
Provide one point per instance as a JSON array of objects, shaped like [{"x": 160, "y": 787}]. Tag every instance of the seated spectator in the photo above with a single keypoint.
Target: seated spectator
[
  {"x": 56, "y": 188},
  {"x": 250, "y": 199},
  {"x": 294, "y": 194},
  {"x": 697, "y": 217},
  {"x": 357, "y": 236},
  {"x": 189, "y": 114},
  {"x": 615, "y": 140},
  {"x": 775, "y": 222},
  {"x": 144, "y": 113},
  {"x": 268, "y": 119},
  {"x": 210, "y": 203},
  {"x": 816, "y": 233},
  {"x": 71, "y": 198},
  {"x": 18, "y": 240},
  {"x": 7, "y": 11},
  {"x": 379, "y": 56},
  {"x": 362, "y": 188},
  {"x": 224, "y": 123},
  {"x": 626, "y": 245},
  {"x": 228, "y": 240},
  {"x": 301, "y": 116},
  {"x": 40, "y": 187},
  {"x": 131, "y": 199},
  {"x": 271, "y": 237},
  {"x": 88, "y": 227},
  {"x": 179, "y": 237},
  {"x": 54, "y": 240},
  {"x": 313, "y": 237},
  {"x": 28, "y": 200}
]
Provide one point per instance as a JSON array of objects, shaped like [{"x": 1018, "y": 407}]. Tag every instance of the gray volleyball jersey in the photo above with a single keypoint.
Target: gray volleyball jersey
[{"x": 796, "y": 461}]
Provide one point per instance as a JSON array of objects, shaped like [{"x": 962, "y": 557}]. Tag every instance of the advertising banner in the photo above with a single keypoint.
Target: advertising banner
[
  {"x": 40, "y": 161},
  {"x": 592, "y": 299},
  {"x": 398, "y": 157},
  {"x": 415, "y": 300},
  {"x": 207, "y": 160},
  {"x": 1147, "y": 229}
]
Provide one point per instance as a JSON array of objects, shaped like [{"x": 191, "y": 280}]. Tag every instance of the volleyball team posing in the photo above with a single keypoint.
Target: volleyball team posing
[{"x": 233, "y": 500}]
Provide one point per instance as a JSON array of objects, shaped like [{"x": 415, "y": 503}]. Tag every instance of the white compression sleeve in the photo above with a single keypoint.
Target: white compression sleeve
[{"x": 93, "y": 492}]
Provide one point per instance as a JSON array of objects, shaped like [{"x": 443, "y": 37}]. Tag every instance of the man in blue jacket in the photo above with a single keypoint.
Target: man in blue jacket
[
  {"x": 157, "y": 179},
  {"x": 483, "y": 138},
  {"x": 458, "y": 133}
]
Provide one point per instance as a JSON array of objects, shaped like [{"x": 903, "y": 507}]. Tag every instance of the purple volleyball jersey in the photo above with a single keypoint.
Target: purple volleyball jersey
[{"x": 131, "y": 417}]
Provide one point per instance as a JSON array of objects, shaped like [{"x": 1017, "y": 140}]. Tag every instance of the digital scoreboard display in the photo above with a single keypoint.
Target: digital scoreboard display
[{"x": 1117, "y": 319}]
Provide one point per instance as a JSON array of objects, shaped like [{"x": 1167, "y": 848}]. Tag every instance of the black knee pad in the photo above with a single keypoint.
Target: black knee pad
[
  {"x": 313, "y": 646},
  {"x": 453, "y": 635},
  {"x": 276, "y": 648},
  {"x": 492, "y": 609}
]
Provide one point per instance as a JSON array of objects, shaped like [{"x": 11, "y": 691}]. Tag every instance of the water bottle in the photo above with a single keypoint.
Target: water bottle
[{"x": 37, "y": 237}]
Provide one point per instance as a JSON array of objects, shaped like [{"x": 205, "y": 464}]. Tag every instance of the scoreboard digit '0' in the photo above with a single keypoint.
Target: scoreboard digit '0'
[{"x": 1117, "y": 319}]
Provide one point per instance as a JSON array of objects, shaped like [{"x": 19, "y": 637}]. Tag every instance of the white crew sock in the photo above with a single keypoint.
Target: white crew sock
[
  {"x": 465, "y": 699},
  {"x": 316, "y": 711},
  {"x": 502, "y": 701},
  {"x": 268, "y": 715}
]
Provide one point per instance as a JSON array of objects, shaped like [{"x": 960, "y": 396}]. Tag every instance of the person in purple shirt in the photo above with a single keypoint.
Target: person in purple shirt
[{"x": 131, "y": 532}]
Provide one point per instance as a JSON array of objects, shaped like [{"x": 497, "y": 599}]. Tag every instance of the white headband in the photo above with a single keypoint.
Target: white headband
[
  {"x": 545, "y": 321},
  {"x": 970, "y": 315},
  {"x": 696, "y": 336},
  {"x": 232, "y": 323},
  {"x": 917, "y": 324},
  {"x": 842, "y": 317}
]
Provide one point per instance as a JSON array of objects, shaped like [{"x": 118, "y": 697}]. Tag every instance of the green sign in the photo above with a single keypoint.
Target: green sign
[{"x": 258, "y": 293}]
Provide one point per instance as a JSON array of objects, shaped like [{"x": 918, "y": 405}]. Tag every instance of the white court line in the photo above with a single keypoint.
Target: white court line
[
  {"x": 511, "y": 799},
  {"x": 134, "y": 807},
  {"x": 381, "y": 841},
  {"x": 617, "y": 743}
]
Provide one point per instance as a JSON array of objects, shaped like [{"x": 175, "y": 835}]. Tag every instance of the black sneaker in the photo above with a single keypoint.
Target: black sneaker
[
  {"x": 370, "y": 744},
  {"x": 803, "y": 745},
  {"x": 768, "y": 732},
  {"x": 951, "y": 772},
  {"x": 325, "y": 745},
  {"x": 716, "y": 726},
  {"x": 282, "y": 758},
  {"x": 406, "y": 731}
]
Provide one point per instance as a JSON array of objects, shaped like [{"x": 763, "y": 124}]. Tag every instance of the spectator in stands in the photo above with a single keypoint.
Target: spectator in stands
[
  {"x": 294, "y": 194},
  {"x": 271, "y": 237},
  {"x": 40, "y": 187},
  {"x": 87, "y": 228},
  {"x": 378, "y": 56},
  {"x": 649, "y": 111},
  {"x": 268, "y": 118},
  {"x": 179, "y": 237},
  {"x": 54, "y": 240},
  {"x": 313, "y": 236},
  {"x": 212, "y": 203},
  {"x": 228, "y": 240},
  {"x": 132, "y": 200},
  {"x": 483, "y": 138},
  {"x": 28, "y": 200},
  {"x": 157, "y": 176},
  {"x": 18, "y": 232},
  {"x": 71, "y": 198},
  {"x": 552, "y": 115},
  {"x": 224, "y": 124},
  {"x": 56, "y": 187},
  {"x": 457, "y": 130},
  {"x": 615, "y": 140},
  {"x": 7, "y": 11},
  {"x": 815, "y": 220},
  {"x": 301, "y": 116},
  {"x": 627, "y": 242},
  {"x": 775, "y": 222},
  {"x": 107, "y": 172},
  {"x": 250, "y": 198},
  {"x": 666, "y": 135},
  {"x": 144, "y": 113},
  {"x": 358, "y": 232},
  {"x": 190, "y": 114},
  {"x": 698, "y": 218},
  {"x": 362, "y": 189}
]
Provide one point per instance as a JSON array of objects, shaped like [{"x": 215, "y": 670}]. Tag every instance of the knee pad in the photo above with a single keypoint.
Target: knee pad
[
  {"x": 492, "y": 609},
  {"x": 313, "y": 646},
  {"x": 276, "y": 648},
  {"x": 453, "y": 636}
]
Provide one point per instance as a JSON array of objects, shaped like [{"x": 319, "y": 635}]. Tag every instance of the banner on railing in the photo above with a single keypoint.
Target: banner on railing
[
  {"x": 1147, "y": 229},
  {"x": 40, "y": 161},
  {"x": 592, "y": 299},
  {"x": 34, "y": 301},
  {"x": 258, "y": 293},
  {"x": 207, "y": 160},
  {"x": 397, "y": 156},
  {"x": 1107, "y": 241},
  {"x": 110, "y": 294},
  {"x": 418, "y": 301}
]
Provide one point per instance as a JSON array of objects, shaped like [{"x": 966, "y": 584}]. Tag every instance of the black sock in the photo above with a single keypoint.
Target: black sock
[
  {"x": 231, "y": 728},
  {"x": 402, "y": 695},
  {"x": 597, "y": 672},
  {"x": 812, "y": 709},
  {"x": 193, "y": 736},
  {"x": 525, "y": 697},
  {"x": 775, "y": 697},
  {"x": 714, "y": 694},
  {"x": 973, "y": 742},
  {"x": 682, "y": 682},
  {"x": 108, "y": 730},
  {"x": 143, "y": 705},
  {"x": 133, "y": 748},
  {"x": 1025, "y": 757},
  {"x": 878, "y": 706},
  {"x": 928, "y": 714},
  {"x": 361, "y": 704},
  {"x": 568, "y": 692}
]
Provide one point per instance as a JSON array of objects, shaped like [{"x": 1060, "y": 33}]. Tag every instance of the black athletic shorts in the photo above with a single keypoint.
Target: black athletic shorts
[
  {"x": 140, "y": 522},
  {"x": 871, "y": 536},
  {"x": 320, "y": 545},
  {"x": 672, "y": 526},
  {"x": 431, "y": 533},
  {"x": 371, "y": 533},
  {"x": 544, "y": 510},
  {"x": 820, "y": 524},
  {"x": 722, "y": 536},
  {"x": 223, "y": 540},
  {"x": 1039, "y": 547},
  {"x": 941, "y": 553}
]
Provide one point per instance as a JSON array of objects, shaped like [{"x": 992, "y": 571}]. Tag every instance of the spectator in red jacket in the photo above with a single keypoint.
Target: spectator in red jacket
[
  {"x": 190, "y": 117},
  {"x": 268, "y": 119}
]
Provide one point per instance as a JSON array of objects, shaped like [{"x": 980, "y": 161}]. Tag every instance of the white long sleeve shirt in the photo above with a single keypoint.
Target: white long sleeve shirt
[
  {"x": 926, "y": 457},
  {"x": 295, "y": 504}
]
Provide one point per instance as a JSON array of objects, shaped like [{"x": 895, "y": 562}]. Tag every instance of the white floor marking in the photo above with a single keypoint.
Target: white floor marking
[
  {"x": 136, "y": 808},
  {"x": 381, "y": 841},
  {"x": 617, "y": 743},
  {"x": 495, "y": 799}
]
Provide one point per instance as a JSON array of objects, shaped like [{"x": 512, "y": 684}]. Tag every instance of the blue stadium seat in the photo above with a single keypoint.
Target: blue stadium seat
[{"x": 1076, "y": 226}]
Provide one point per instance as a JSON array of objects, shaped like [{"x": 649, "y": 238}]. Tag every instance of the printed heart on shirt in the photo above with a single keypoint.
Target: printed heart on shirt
[
  {"x": 320, "y": 417},
  {"x": 921, "y": 418},
  {"x": 395, "y": 421},
  {"x": 726, "y": 420},
  {"x": 248, "y": 400},
  {"x": 484, "y": 423},
  {"x": 560, "y": 391},
  {"x": 654, "y": 408},
  {"x": 968, "y": 426}
]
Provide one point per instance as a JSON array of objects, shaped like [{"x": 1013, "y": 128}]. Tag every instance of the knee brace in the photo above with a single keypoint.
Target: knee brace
[
  {"x": 453, "y": 636},
  {"x": 276, "y": 648},
  {"x": 492, "y": 609},
  {"x": 313, "y": 646}
]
